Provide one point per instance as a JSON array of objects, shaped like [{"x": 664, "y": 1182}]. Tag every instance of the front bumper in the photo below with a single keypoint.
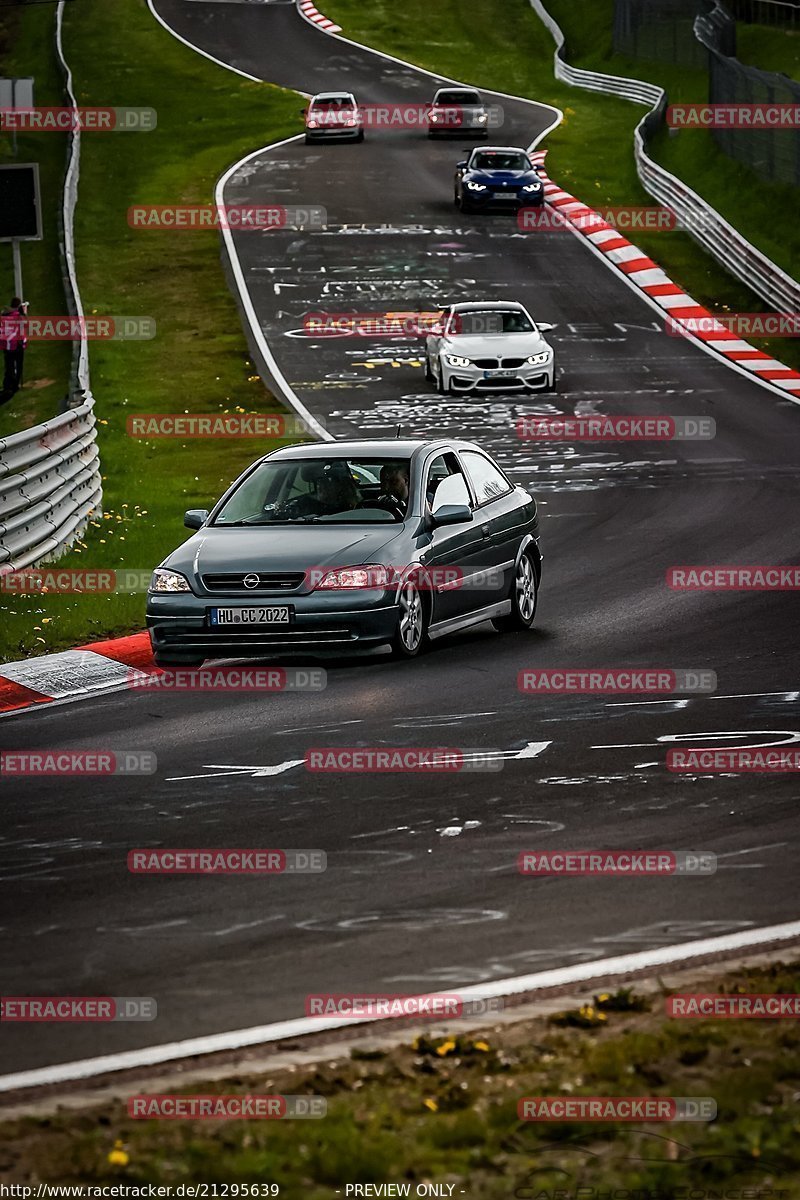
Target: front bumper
[
  {"x": 334, "y": 133},
  {"x": 504, "y": 199},
  {"x": 454, "y": 129},
  {"x": 471, "y": 379},
  {"x": 179, "y": 624}
]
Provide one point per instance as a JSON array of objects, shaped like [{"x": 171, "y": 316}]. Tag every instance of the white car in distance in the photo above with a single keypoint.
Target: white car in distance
[{"x": 488, "y": 347}]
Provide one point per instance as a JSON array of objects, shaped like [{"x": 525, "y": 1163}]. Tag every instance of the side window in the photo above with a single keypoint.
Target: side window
[
  {"x": 445, "y": 483},
  {"x": 486, "y": 479}
]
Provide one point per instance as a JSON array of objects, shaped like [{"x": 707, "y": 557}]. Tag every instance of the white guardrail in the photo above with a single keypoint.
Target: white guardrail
[
  {"x": 710, "y": 230},
  {"x": 50, "y": 474}
]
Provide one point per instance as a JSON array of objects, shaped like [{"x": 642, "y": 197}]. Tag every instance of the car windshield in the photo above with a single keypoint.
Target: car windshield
[
  {"x": 333, "y": 102},
  {"x": 457, "y": 98},
  {"x": 364, "y": 491},
  {"x": 500, "y": 160},
  {"x": 489, "y": 320}
]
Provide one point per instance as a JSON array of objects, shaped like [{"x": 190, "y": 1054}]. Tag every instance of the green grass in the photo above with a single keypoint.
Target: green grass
[
  {"x": 444, "y": 1109},
  {"x": 502, "y": 44},
  {"x": 771, "y": 49},
  {"x": 208, "y": 118},
  {"x": 27, "y": 47}
]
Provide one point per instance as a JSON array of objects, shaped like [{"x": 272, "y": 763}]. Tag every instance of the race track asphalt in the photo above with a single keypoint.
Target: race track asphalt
[{"x": 422, "y": 891}]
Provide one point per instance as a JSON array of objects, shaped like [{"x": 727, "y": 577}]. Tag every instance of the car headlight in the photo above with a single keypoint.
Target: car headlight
[
  {"x": 456, "y": 360},
  {"x": 532, "y": 187},
  {"x": 433, "y": 118},
  {"x": 168, "y": 581},
  {"x": 483, "y": 118},
  {"x": 536, "y": 360},
  {"x": 354, "y": 577},
  {"x": 476, "y": 187},
  {"x": 312, "y": 124}
]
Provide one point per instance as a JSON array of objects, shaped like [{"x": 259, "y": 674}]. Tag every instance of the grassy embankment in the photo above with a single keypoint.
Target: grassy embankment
[
  {"x": 208, "y": 118},
  {"x": 444, "y": 1110}
]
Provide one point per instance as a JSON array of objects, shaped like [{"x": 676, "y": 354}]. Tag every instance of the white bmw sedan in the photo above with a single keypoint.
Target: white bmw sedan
[{"x": 488, "y": 347}]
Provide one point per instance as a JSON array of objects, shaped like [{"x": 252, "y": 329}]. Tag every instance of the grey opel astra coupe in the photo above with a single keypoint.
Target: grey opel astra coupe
[{"x": 342, "y": 545}]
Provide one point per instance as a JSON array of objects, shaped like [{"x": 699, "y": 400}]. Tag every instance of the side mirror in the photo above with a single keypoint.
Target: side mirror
[
  {"x": 539, "y": 168},
  {"x": 461, "y": 165},
  {"x": 451, "y": 514},
  {"x": 195, "y": 518}
]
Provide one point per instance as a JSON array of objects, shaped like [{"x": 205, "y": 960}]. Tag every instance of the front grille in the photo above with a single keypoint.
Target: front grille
[
  {"x": 486, "y": 363},
  {"x": 268, "y": 581},
  {"x": 497, "y": 384},
  {"x": 513, "y": 362}
]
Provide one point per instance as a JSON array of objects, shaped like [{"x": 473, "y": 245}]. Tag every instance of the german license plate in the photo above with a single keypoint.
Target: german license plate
[
  {"x": 274, "y": 615},
  {"x": 501, "y": 374}
]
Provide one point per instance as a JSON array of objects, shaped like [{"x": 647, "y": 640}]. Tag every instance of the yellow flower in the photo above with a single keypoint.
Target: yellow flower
[
  {"x": 445, "y": 1048},
  {"x": 118, "y": 1156},
  {"x": 481, "y": 1046},
  {"x": 431, "y": 1104},
  {"x": 605, "y": 996}
]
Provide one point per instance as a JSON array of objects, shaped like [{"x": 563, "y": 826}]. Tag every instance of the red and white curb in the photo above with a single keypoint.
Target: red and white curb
[
  {"x": 75, "y": 674},
  {"x": 650, "y": 279},
  {"x": 312, "y": 14}
]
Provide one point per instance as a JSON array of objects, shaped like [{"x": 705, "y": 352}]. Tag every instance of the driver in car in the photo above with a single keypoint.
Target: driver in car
[
  {"x": 334, "y": 492},
  {"x": 394, "y": 489}
]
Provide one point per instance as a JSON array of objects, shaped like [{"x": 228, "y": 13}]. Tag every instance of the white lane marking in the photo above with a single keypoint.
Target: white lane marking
[
  {"x": 197, "y": 50},
  {"x": 789, "y": 737},
  {"x": 733, "y": 696},
  {"x": 219, "y": 769},
  {"x": 532, "y": 750},
  {"x": 236, "y": 1039},
  {"x": 216, "y": 770},
  {"x": 287, "y": 391}
]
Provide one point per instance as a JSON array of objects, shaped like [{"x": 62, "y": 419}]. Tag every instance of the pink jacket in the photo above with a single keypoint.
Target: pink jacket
[{"x": 12, "y": 336}]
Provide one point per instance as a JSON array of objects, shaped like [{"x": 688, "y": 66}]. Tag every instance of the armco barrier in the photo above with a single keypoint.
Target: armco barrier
[
  {"x": 706, "y": 226},
  {"x": 49, "y": 486},
  {"x": 50, "y": 474}
]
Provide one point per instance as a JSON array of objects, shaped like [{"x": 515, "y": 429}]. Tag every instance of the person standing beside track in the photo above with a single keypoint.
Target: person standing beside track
[{"x": 14, "y": 343}]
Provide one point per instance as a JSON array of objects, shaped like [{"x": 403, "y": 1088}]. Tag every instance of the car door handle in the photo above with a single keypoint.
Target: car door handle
[{"x": 485, "y": 530}]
